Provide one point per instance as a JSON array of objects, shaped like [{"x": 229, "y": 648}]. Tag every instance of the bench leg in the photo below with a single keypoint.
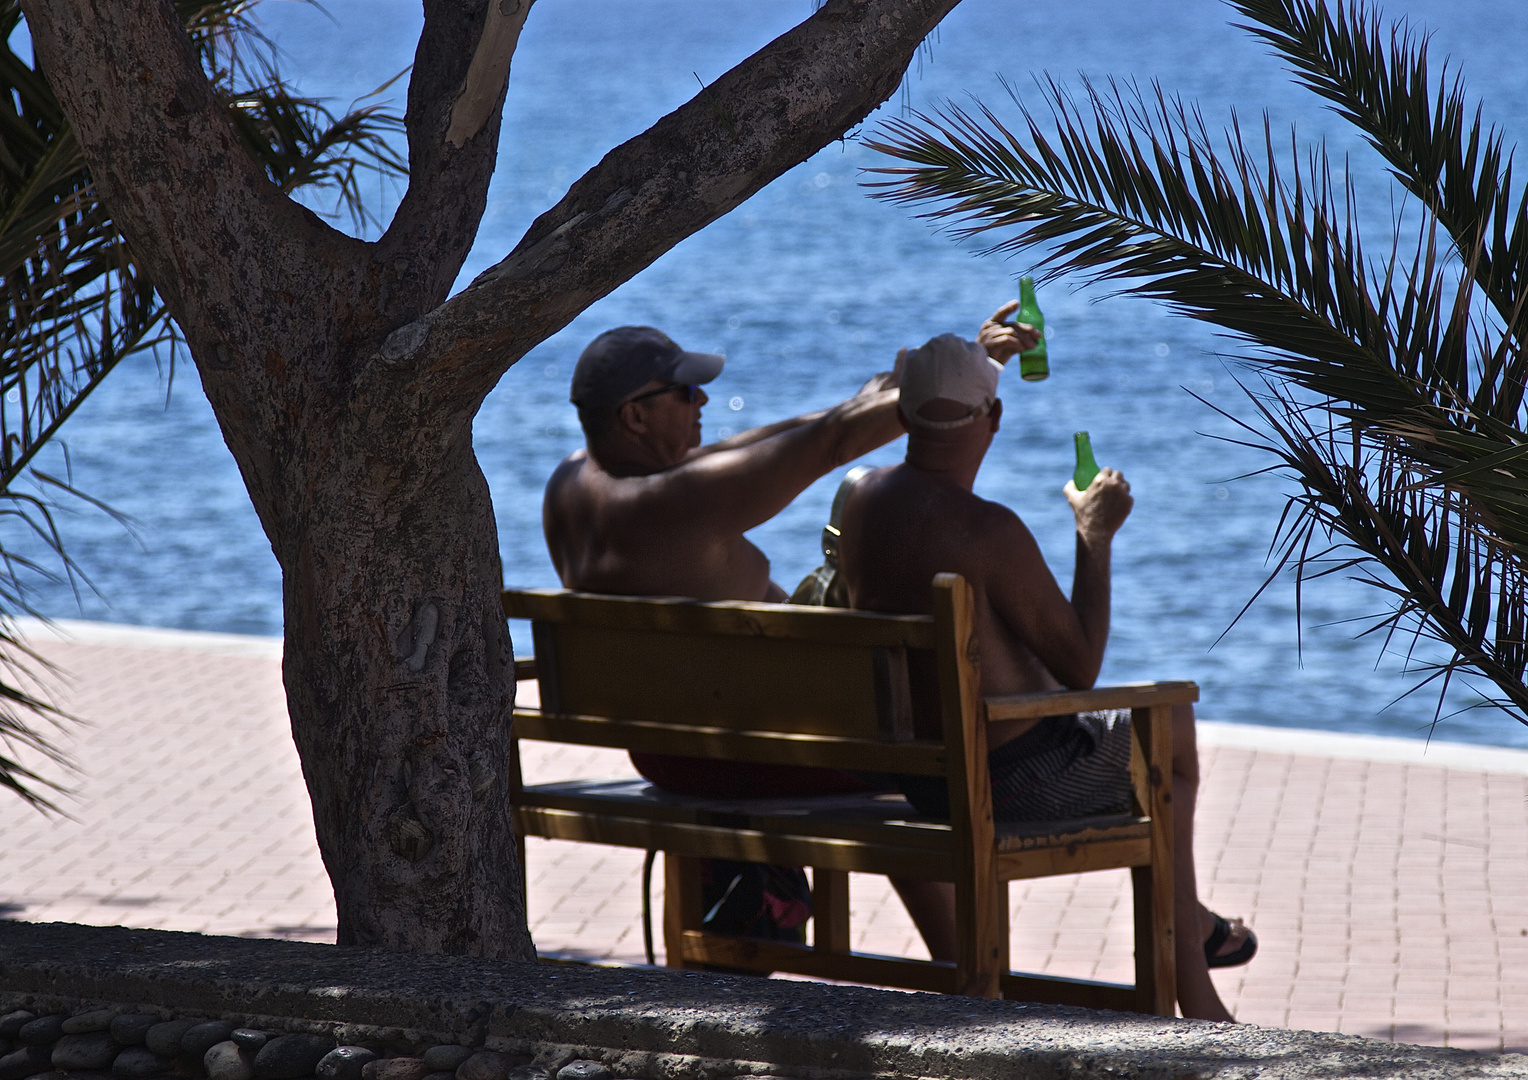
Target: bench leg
[
  {"x": 681, "y": 905},
  {"x": 1155, "y": 983},
  {"x": 830, "y": 910},
  {"x": 1005, "y": 946},
  {"x": 981, "y": 934}
]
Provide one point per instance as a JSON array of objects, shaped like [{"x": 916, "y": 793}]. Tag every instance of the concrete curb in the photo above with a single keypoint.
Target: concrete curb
[
  {"x": 677, "y": 1024},
  {"x": 148, "y": 637},
  {"x": 1433, "y": 753}
]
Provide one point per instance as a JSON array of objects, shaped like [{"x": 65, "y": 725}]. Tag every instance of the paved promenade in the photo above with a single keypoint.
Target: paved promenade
[{"x": 1389, "y": 886}]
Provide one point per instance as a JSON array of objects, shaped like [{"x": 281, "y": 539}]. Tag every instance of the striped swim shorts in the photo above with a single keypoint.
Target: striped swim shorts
[{"x": 1064, "y": 767}]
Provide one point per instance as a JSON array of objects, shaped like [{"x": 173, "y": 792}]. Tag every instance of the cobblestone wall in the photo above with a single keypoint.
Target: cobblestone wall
[
  {"x": 42, "y": 1040},
  {"x": 107, "y": 1003}
]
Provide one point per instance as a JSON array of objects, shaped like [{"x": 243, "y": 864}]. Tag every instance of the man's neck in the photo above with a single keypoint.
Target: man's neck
[
  {"x": 944, "y": 463},
  {"x": 628, "y": 459}
]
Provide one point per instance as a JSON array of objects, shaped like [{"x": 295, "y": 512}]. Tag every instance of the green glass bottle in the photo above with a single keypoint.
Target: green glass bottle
[
  {"x": 1087, "y": 468},
  {"x": 1032, "y": 364}
]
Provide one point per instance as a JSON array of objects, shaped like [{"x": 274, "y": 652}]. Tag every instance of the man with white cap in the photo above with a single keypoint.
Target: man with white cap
[{"x": 903, "y": 524}]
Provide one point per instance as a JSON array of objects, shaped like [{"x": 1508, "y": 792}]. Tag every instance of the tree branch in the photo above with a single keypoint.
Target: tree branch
[
  {"x": 216, "y": 236},
  {"x": 488, "y": 76},
  {"x": 768, "y": 114},
  {"x": 461, "y": 70}
]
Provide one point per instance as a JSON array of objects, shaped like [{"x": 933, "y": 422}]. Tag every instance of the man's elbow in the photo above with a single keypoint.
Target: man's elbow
[
  {"x": 841, "y": 451},
  {"x": 837, "y": 446},
  {"x": 1083, "y": 676}
]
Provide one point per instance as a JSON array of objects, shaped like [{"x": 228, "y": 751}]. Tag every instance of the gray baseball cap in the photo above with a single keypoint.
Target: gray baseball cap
[{"x": 620, "y": 361}]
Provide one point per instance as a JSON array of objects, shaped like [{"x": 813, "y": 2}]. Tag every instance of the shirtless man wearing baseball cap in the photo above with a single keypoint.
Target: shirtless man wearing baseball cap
[
  {"x": 903, "y": 524},
  {"x": 645, "y": 509}
]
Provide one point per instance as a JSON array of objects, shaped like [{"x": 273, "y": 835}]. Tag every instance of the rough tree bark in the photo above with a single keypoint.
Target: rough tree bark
[{"x": 345, "y": 383}]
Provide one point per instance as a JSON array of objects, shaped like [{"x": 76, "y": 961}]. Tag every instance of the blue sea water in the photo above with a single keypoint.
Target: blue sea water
[{"x": 809, "y": 288}]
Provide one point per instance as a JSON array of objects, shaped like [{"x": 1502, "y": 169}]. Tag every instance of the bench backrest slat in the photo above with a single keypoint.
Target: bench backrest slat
[
  {"x": 681, "y": 615},
  {"x": 774, "y": 748},
  {"x": 742, "y": 683},
  {"x": 714, "y": 667}
]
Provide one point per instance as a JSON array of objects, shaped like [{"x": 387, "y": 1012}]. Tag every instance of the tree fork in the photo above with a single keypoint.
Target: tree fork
[{"x": 345, "y": 384}]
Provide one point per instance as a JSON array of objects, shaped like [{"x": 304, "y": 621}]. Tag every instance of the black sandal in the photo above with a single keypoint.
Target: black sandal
[{"x": 1218, "y": 937}]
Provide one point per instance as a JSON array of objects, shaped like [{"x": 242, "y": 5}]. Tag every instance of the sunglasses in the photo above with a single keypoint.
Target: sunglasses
[{"x": 690, "y": 391}]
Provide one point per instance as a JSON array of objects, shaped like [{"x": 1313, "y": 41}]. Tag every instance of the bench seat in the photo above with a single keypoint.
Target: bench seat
[{"x": 801, "y": 831}]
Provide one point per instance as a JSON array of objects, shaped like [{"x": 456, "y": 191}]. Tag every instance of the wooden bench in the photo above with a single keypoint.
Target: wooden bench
[{"x": 847, "y": 690}]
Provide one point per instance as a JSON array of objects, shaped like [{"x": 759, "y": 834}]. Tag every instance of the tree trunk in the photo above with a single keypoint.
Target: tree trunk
[
  {"x": 345, "y": 384},
  {"x": 399, "y": 679}
]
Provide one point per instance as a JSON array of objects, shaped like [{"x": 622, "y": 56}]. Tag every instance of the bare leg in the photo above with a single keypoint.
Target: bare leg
[
  {"x": 1197, "y": 996},
  {"x": 932, "y": 906}
]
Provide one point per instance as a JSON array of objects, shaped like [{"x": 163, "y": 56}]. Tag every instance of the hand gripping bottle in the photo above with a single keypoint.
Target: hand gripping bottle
[
  {"x": 1032, "y": 364},
  {"x": 1087, "y": 468}
]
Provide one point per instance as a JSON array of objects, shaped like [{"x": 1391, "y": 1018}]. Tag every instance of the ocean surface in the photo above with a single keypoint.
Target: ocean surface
[{"x": 811, "y": 287}]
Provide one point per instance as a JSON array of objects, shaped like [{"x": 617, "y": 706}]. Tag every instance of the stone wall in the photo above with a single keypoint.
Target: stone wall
[
  {"x": 57, "y": 1039},
  {"x": 94, "y": 1003}
]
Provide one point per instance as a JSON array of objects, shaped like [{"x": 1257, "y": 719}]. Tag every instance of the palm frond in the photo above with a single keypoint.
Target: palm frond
[
  {"x": 1436, "y": 145},
  {"x": 1134, "y": 192},
  {"x": 302, "y": 144},
  {"x": 1391, "y": 395}
]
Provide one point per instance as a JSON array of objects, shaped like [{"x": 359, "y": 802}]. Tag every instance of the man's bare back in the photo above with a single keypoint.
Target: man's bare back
[
  {"x": 613, "y": 534},
  {"x": 894, "y": 556},
  {"x": 904, "y": 524}
]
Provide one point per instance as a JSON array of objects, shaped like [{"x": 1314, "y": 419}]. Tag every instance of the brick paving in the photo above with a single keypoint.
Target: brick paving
[{"x": 1389, "y": 888}]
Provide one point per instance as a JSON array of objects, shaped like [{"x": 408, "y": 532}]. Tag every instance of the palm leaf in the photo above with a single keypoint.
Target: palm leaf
[
  {"x": 1434, "y": 143},
  {"x": 1391, "y": 396}
]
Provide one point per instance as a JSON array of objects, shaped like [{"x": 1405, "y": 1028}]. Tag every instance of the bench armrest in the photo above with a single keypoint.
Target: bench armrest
[{"x": 1057, "y": 702}]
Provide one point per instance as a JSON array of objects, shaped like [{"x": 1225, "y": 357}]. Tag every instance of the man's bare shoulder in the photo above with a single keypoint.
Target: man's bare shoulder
[
  {"x": 568, "y": 466},
  {"x": 584, "y": 491},
  {"x": 567, "y": 478},
  {"x": 996, "y": 533},
  {"x": 1000, "y": 518}
]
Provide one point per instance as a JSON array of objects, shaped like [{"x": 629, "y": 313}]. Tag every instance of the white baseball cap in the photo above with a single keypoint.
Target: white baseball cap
[{"x": 951, "y": 368}]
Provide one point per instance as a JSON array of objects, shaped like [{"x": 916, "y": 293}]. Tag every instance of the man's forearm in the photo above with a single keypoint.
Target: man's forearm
[
  {"x": 862, "y": 424},
  {"x": 767, "y": 467},
  {"x": 753, "y": 435},
  {"x": 847, "y": 431},
  {"x": 1090, "y": 594}
]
